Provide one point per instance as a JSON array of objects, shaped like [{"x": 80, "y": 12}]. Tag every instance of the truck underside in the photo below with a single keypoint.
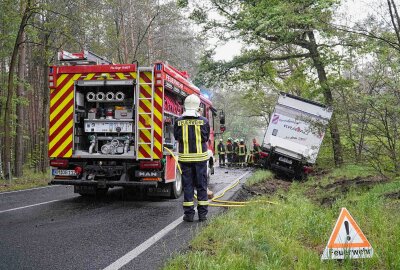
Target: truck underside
[{"x": 284, "y": 165}]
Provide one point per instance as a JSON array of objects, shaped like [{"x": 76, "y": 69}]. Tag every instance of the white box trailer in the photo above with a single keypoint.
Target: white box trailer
[{"x": 294, "y": 134}]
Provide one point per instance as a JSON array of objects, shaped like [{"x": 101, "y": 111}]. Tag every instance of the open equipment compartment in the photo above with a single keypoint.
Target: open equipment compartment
[{"x": 104, "y": 113}]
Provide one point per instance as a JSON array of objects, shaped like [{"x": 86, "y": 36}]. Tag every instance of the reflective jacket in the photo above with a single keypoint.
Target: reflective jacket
[
  {"x": 192, "y": 133},
  {"x": 256, "y": 147},
  {"x": 229, "y": 148},
  {"x": 236, "y": 148},
  {"x": 242, "y": 149},
  {"x": 221, "y": 148}
]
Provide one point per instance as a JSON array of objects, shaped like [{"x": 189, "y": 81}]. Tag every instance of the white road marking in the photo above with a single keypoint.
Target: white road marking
[
  {"x": 15, "y": 191},
  {"x": 27, "y": 206},
  {"x": 152, "y": 240}
]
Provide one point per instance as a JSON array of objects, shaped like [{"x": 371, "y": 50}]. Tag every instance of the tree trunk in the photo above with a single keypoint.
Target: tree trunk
[
  {"x": 19, "y": 142},
  {"x": 323, "y": 81},
  {"x": 10, "y": 87},
  {"x": 44, "y": 165}
]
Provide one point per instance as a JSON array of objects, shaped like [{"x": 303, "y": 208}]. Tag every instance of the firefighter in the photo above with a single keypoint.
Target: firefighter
[
  {"x": 235, "y": 152},
  {"x": 256, "y": 151},
  {"x": 242, "y": 150},
  {"x": 250, "y": 159},
  {"x": 192, "y": 131},
  {"x": 229, "y": 151},
  {"x": 221, "y": 153}
]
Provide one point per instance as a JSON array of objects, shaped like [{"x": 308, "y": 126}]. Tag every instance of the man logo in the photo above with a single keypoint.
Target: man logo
[{"x": 147, "y": 174}]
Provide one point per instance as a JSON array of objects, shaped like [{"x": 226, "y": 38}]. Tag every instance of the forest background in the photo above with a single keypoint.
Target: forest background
[{"x": 310, "y": 48}]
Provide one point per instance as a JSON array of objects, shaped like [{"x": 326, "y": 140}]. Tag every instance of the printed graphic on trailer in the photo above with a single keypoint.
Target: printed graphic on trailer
[
  {"x": 296, "y": 130},
  {"x": 347, "y": 240}
]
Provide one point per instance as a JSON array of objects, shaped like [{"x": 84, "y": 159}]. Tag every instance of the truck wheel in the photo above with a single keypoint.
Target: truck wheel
[
  {"x": 300, "y": 176},
  {"x": 176, "y": 186},
  {"x": 208, "y": 178},
  {"x": 210, "y": 171},
  {"x": 267, "y": 164}
]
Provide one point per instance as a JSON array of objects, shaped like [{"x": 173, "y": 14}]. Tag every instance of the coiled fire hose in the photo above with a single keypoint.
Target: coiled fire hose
[{"x": 222, "y": 203}]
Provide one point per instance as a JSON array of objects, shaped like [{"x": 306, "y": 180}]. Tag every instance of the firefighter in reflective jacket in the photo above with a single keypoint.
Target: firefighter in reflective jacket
[
  {"x": 192, "y": 131},
  {"x": 250, "y": 158},
  {"x": 221, "y": 153},
  {"x": 242, "y": 150},
  {"x": 256, "y": 151},
  {"x": 229, "y": 151},
  {"x": 235, "y": 152}
]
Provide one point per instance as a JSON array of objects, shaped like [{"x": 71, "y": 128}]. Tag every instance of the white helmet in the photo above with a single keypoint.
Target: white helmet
[{"x": 192, "y": 105}]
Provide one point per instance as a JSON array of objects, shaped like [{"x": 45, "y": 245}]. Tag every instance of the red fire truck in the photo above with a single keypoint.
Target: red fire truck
[{"x": 112, "y": 124}]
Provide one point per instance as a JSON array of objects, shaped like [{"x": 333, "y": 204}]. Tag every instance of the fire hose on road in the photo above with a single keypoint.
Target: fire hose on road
[{"x": 223, "y": 203}]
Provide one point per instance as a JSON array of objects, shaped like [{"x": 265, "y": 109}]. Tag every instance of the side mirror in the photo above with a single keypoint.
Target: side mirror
[{"x": 222, "y": 117}]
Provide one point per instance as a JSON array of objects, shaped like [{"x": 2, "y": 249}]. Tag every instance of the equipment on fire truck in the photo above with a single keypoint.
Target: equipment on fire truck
[
  {"x": 101, "y": 96},
  {"x": 83, "y": 58},
  {"x": 112, "y": 145}
]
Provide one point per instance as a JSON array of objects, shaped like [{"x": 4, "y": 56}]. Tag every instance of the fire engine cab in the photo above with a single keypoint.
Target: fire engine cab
[{"x": 112, "y": 124}]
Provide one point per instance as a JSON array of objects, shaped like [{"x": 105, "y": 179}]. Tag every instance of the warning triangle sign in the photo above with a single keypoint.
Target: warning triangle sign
[{"x": 347, "y": 240}]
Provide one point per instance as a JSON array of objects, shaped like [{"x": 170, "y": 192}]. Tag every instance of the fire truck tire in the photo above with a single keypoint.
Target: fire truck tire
[
  {"x": 176, "y": 186},
  {"x": 208, "y": 176}
]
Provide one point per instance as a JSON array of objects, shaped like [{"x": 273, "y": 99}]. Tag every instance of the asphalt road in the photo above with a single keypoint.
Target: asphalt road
[{"x": 53, "y": 228}]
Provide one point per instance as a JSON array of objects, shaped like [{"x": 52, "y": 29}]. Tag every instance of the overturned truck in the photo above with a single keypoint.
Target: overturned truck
[{"x": 294, "y": 135}]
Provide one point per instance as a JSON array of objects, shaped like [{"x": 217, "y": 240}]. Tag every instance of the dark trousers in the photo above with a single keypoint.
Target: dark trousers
[
  {"x": 229, "y": 157},
  {"x": 194, "y": 175},
  {"x": 221, "y": 159}
]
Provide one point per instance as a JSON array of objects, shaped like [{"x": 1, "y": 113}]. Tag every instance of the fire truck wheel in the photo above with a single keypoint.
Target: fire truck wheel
[
  {"x": 208, "y": 176},
  {"x": 176, "y": 186}
]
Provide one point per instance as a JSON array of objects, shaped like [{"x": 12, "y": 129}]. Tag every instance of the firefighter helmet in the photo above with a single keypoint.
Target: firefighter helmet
[{"x": 192, "y": 105}]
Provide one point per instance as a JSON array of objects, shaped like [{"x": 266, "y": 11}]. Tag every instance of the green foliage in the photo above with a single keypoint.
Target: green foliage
[
  {"x": 121, "y": 31},
  {"x": 31, "y": 179},
  {"x": 259, "y": 176},
  {"x": 293, "y": 234}
]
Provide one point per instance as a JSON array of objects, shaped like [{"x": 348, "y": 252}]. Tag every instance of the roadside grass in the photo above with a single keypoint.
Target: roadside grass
[
  {"x": 29, "y": 180},
  {"x": 294, "y": 233},
  {"x": 259, "y": 176}
]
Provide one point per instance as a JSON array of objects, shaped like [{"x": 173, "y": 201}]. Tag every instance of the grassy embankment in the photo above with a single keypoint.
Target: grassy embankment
[
  {"x": 29, "y": 180},
  {"x": 293, "y": 234}
]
